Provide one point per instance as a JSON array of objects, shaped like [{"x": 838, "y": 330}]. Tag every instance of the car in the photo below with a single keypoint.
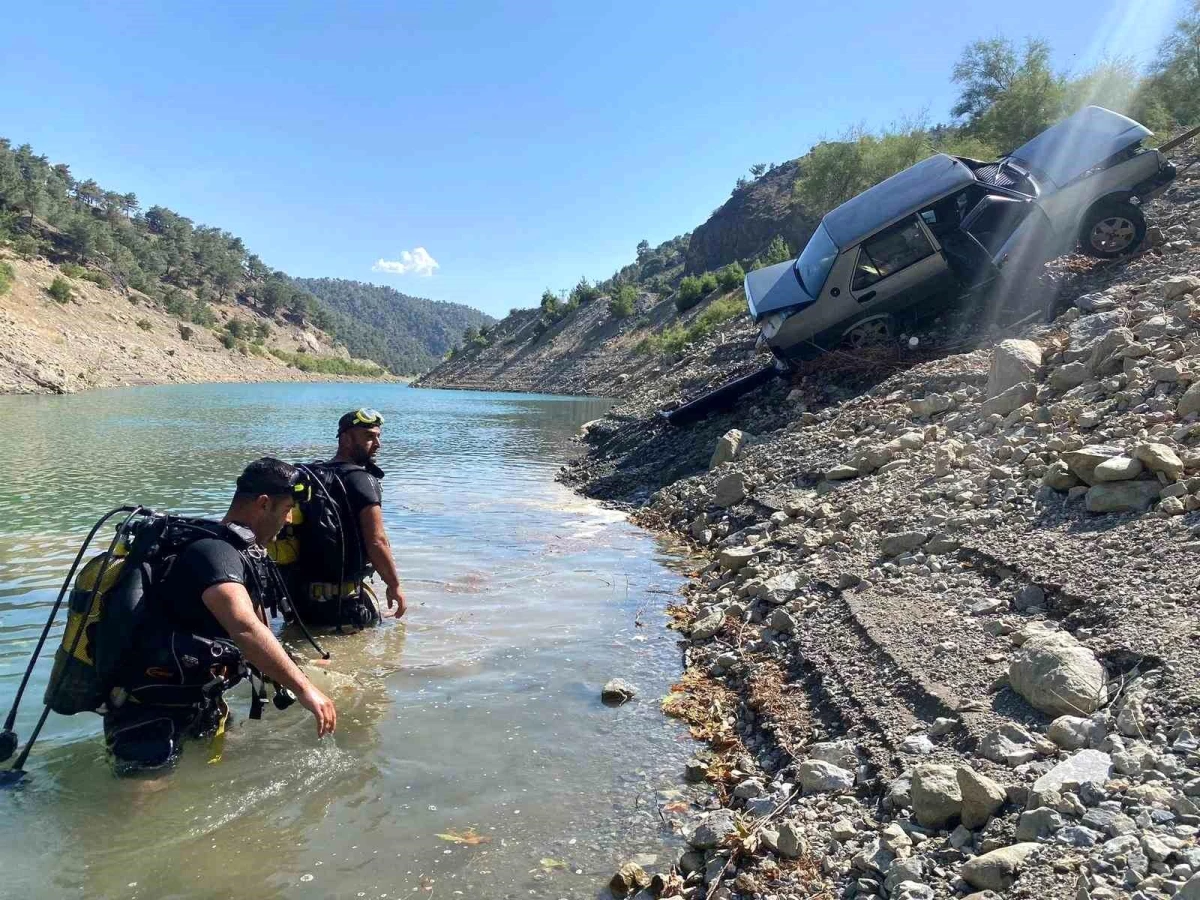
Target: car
[{"x": 950, "y": 227}]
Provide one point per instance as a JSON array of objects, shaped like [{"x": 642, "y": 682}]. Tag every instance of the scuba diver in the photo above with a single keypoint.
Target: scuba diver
[
  {"x": 166, "y": 620},
  {"x": 213, "y": 599},
  {"x": 336, "y": 538}
]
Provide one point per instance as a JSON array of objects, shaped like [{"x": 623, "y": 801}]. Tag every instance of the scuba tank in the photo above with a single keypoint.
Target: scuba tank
[{"x": 107, "y": 609}]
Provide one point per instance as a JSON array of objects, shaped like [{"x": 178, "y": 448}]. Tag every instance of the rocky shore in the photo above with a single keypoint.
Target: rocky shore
[{"x": 944, "y": 639}]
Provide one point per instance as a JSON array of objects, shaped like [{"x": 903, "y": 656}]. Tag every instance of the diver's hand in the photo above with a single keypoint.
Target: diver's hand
[
  {"x": 395, "y": 597},
  {"x": 322, "y": 709}
]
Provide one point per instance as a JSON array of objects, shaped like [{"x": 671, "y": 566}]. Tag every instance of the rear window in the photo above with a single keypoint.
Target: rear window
[{"x": 813, "y": 265}]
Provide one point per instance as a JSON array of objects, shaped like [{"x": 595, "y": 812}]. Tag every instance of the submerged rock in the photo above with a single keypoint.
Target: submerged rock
[{"x": 618, "y": 690}]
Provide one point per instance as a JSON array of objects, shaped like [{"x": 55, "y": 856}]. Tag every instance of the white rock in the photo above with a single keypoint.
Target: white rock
[
  {"x": 1013, "y": 362},
  {"x": 819, "y": 777}
]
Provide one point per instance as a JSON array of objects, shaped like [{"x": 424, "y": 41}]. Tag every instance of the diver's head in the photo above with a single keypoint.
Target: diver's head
[
  {"x": 359, "y": 435},
  {"x": 267, "y": 490}
]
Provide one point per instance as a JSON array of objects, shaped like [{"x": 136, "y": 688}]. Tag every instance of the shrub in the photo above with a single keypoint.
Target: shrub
[
  {"x": 25, "y": 246},
  {"x": 228, "y": 340},
  {"x": 203, "y": 315},
  {"x": 262, "y": 331},
  {"x": 690, "y": 292},
  {"x": 185, "y": 331},
  {"x": 731, "y": 276},
  {"x": 97, "y": 278},
  {"x": 60, "y": 289},
  {"x": 7, "y": 276},
  {"x": 238, "y": 328},
  {"x": 144, "y": 324},
  {"x": 177, "y": 303},
  {"x": 583, "y": 293},
  {"x": 777, "y": 252},
  {"x": 621, "y": 303},
  {"x": 71, "y": 270},
  {"x": 327, "y": 365}
]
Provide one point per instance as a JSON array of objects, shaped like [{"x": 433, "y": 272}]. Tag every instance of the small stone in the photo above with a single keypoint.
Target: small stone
[
  {"x": 728, "y": 448},
  {"x": 841, "y": 473},
  {"x": 712, "y": 830},
  {"x": 998, "y": 869},
  {"x": 917, "y": 745},
  {"x": 695, "y": 771},
  {"x": 729, "y": 490},
  {"x": 1085, "y": 766},
  {"x": 819, "y": 777},
  {"x": 1038, "y": 823},
  {"x": 1121, "y": 496},
  {"x": 791, "y": 841},
  {"x": 981, "y": 797},
  {"x": 1028, "y": 597},
  {"x": 618, "y": 690},
  {"x": 629, "y": 879},
  {"x": 904, "y": 542},
  {"x": 1073, "y": 732}
]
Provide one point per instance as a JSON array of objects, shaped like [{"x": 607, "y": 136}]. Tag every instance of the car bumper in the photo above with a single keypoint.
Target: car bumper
[{"x": 1156, "y": 184}]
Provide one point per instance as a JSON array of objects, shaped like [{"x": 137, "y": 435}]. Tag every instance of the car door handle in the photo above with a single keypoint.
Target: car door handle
[{"x": 868, "y": 296}]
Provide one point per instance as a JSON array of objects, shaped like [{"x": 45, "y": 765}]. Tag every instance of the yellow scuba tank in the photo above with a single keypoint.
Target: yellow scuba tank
[
  {"x": 284, "y": 550},
  {"x": 75, "y": 684}
]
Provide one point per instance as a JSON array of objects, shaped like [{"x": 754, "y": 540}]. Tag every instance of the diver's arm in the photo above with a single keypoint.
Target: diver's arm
[
  {"x": 231, "y": 606},
  {"x": 379, "y": 552}
]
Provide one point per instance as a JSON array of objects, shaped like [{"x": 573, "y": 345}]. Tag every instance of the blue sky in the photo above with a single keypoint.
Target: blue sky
[{"x": 522, "y": 145}]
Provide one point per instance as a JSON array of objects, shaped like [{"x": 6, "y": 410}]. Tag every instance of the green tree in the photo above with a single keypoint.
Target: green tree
[
  {"x": 1176, "y": 72},
  {"x": 7, "y": 277},
  {"x": 623, "y": 301},
  {"x": 731, "y": 276},
  {"x": 757, "y": 169},
  {"x": 1005, "y": 97},
  {"x": 690, "y": 292},
  {"x": 551, "y": 306},
  {"x": 777, "y": 251},
  {"x": 60, "y": 289}
]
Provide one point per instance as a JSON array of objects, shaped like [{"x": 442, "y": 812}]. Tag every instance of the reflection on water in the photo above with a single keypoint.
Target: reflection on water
[{"x": 478, "y": 716}]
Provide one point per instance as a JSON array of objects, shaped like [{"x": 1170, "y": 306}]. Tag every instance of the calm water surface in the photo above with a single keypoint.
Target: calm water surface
[{"x": 478, "y": 716}]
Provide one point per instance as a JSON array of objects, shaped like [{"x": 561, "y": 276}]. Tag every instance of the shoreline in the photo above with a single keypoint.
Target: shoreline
[{"x": 896, "y": 570}]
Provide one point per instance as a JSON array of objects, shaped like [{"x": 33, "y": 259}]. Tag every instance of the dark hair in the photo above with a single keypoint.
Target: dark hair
[{"x": 267, "y": 476}]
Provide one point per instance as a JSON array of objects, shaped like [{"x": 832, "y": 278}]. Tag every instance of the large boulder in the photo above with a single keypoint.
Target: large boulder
[
  {"x": 1058, "y": 675},
  {"x": 1121, "y": 496},
  {"x": 1083, "y": 462},
  {"x": 998, "y": 870},
  {"x": 1086, "y": 330},
  {"x": 1108, "y": 353},
  {"x": 1160, "y": 458},
  {"x": 936, "y": 797},
  {"x": 1013, "y": 362},
  {"x": 1119, "y": 468},
  {"x": 895, "y": 544},
  {"x": 981, "y": 797}
]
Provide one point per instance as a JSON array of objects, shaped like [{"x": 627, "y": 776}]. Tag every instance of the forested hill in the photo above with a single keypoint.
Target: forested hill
[
  {"x": 378, "y": 322},
  {"x": 201, "y": 274}
]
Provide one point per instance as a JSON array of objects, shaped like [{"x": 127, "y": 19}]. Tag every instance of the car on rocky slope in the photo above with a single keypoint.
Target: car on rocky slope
[{"x": 951, "y": 227}]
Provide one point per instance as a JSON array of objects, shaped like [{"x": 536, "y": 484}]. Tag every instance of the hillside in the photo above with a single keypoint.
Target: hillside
[
  {"x": 188, "y": 270},
  {"x": 408, "y": 334},
  {"x": 942, "y": 631},
  {"x": 95, "y": 337}
]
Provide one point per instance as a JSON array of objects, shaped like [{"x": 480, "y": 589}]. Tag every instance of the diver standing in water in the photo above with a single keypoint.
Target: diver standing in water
[
  {"x": 336, "y": 539},
  {"x": 211, "y": 606}
]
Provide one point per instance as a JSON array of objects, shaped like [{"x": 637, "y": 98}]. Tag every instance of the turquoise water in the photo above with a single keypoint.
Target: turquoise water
[{"x": 477, "y": 716}]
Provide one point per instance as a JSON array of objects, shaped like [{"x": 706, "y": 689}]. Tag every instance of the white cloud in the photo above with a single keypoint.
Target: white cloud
[{"x": 411, "y": 262}]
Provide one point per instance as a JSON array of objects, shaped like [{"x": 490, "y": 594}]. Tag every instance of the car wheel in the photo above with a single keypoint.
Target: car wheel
[
  {"x": 868, "y": 333},
  {"x": 1112, "y": 229}
]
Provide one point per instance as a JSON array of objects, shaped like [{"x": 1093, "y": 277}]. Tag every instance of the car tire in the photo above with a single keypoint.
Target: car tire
[
  {"x": 870, "y": 332},
  {"x": 1112, "y": 228}
]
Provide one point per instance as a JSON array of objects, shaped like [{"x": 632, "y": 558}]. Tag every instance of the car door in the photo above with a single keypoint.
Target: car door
[{"x": 897, "y": 268}]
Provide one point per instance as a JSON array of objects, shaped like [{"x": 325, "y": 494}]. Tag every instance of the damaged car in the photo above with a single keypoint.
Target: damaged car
[{"x": 951, "y": 227}]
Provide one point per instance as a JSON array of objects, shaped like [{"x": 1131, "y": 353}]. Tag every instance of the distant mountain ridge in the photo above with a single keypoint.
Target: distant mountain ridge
[{"x": 409, "y": 334}]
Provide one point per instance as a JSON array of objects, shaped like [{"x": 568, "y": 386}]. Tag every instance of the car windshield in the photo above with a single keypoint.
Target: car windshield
[{"x": 813, "y": 265}]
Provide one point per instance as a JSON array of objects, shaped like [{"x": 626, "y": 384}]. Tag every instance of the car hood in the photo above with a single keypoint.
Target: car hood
[
  {"x": 1079, "y": 142},
  {"x": 774, "y": 288}
]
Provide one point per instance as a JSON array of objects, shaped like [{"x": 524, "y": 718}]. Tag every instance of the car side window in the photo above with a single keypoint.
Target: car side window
[{"x": 893, "y": 249}]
